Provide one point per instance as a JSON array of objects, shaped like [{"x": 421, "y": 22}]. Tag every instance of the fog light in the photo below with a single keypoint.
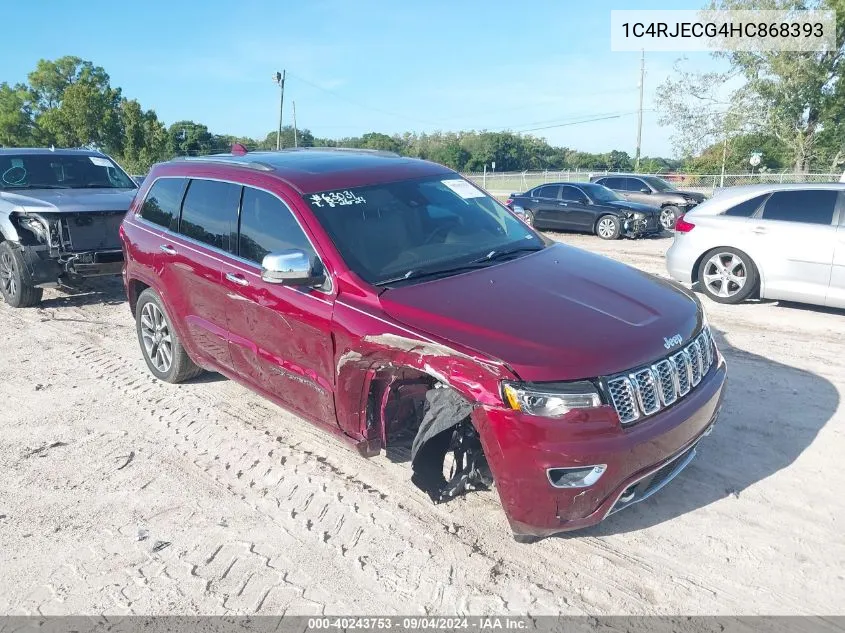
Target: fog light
[{"x": 580, "y": 477}]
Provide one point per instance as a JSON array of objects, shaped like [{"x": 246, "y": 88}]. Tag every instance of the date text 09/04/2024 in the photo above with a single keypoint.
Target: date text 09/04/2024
[{"x": 481, "y": 623}]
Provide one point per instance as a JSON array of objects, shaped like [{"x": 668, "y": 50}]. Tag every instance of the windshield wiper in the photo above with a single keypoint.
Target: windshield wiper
[
  {"x": 422, "y": 273},
  {"x": 497, "y": 256}
]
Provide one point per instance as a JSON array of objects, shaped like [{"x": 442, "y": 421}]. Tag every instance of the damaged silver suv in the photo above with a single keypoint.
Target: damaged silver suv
[{"x": 60, "y": 212}]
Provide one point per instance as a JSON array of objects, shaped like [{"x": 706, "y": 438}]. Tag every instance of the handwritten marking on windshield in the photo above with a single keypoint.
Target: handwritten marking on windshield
[{"x": 336, "y": 198}]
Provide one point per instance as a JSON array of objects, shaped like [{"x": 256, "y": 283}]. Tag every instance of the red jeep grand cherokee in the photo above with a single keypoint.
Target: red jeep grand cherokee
[{"x": 394, "y": 303}]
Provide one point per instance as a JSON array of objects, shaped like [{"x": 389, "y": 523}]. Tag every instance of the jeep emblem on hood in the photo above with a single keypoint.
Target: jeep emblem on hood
[{"x": 669, "y": 343}]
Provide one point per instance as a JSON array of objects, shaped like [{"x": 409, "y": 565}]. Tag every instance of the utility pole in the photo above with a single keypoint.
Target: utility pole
[
  {"x": 640, "y": 118},
  {"x": 295, "y": 143},
  {"x": 724, "y": 160},
  {"x": 279, "y": 78}
]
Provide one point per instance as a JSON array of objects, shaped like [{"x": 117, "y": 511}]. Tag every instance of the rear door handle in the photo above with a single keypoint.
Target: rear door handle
[
  {"x": 167, "y": 248},
  {"x": 563, "y": 204},
  {"x": 236, "y": 279},
  {"x": 759, "y": 230}
]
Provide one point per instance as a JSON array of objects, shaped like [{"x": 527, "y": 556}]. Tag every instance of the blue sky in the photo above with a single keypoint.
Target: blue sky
[{"x": 362, "y": 66}]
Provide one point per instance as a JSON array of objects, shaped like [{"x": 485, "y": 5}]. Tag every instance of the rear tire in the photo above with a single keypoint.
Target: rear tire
[
  {"x": 609, "y": 227},
  {"x": 727, "y": 275},
  {"x": 163, "y": 351},
  {"x": 529, "y": 219},
  {"x": 16, "y": 283}
]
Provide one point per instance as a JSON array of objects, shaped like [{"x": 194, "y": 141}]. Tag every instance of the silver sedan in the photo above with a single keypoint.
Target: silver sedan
[{"x": 783, "y": 241}]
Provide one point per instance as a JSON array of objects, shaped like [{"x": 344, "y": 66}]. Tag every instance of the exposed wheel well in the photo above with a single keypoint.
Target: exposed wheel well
[
  {"x": 416, "y": 417},
  {"x": 135, "y": 288}
]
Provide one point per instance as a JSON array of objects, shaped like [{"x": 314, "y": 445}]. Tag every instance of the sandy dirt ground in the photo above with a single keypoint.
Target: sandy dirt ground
[{"x": 120, "y": 494}]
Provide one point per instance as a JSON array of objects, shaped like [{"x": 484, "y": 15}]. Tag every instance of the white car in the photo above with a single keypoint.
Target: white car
[{"x": 782, "y": 241}]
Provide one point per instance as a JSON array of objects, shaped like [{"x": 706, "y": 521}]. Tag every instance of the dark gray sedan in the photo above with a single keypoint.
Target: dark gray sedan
[{"x": 578, "y": 206}]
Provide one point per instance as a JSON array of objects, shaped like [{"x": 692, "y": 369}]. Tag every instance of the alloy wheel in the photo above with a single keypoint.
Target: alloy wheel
[
  {"x": 725, "y": 274},
  {"x": 155, "y": 335},
  {"x": 607, "y": 228},
  {"x": 7, "y": 275},
  {"x": 667, "y": 219}
]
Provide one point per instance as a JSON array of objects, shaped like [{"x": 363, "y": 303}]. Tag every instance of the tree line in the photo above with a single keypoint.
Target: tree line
[
  {"x": 70, "y": 102},
  {"x": 789, "y": 106},
  {"x": 797, "y": 122}
]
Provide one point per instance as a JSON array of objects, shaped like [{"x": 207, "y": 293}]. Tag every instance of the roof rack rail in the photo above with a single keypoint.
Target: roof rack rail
[
  {"x": 228, "y": 159},
  {"x": 379, "y": 152}
]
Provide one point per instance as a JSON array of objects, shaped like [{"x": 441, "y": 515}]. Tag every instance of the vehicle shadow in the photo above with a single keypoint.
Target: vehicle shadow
[
  {"x": 206, "y": 377},
  {"x": 102, "y": 290},
  {"x": 771, "y": 413}
]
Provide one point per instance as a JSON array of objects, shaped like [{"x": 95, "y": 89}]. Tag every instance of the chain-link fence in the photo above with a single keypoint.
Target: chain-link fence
[{"x": 504, "y": 183}]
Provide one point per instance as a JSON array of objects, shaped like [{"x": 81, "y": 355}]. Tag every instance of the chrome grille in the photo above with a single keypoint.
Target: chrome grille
[
  {"x": 622, "y": 395},
  {"x": 646, "y": 390},
  {"x": 666, "y": 381},
  {"x": 695, "y": 362},
  {"x": 682, "y": 367},
  {"x": 645, "y": 386}
]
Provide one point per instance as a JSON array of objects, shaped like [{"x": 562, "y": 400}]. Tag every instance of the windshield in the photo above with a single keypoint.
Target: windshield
[
  {"x": 403, "y": 229},
  {"x": 57, "y": 171},
  {"x": 658, "y": 184},
  {"x": 600, "y": 193}
]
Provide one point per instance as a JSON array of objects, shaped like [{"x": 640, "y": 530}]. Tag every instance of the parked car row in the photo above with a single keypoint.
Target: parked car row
[
  {"x": 385, "y": 299},
  {"x": 591, "y": 208},
  {"x": 612, "y": 206}
]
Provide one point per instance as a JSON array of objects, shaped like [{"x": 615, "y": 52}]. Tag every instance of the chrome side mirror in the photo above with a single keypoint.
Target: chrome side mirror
[{"x": 292, "y": 267}]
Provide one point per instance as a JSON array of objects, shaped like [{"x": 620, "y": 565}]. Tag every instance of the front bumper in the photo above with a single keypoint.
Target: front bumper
[
  {"x": 46, "y": 270},
  {"x": 640, "y": 458},
  {"x": 642, "y": 227}
]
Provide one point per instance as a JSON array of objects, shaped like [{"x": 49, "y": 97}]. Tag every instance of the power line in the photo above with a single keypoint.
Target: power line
[
  {"x": 359, "y": 104},
  {"x": 640, "y": 122}
]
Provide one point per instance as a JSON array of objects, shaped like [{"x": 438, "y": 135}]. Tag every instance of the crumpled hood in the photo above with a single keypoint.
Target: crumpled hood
[
  {"x": 558, "y": 314},
  {"x": 69, "y": 200},
  {"x": 695, "y": 195}
]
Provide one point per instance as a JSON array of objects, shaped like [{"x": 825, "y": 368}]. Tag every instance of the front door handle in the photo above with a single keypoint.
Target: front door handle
[
  {"x": 562, "y": 204},
  {"x": 236, "y": 279},
  {"x": 759, "y": 230},
  {"x": 167, "y": 248}
]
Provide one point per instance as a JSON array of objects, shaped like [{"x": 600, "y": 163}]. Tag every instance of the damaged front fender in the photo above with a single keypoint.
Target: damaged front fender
[{"x": 414, "y": 398}]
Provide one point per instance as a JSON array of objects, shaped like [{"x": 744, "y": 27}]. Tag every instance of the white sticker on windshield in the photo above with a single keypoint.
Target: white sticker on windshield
[
  {"x": 463, "y": 188},
  {"x": 336, "y": 199},
  {"x": 100, "y": 162}
]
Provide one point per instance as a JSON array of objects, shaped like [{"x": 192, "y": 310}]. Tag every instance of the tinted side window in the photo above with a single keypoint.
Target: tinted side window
[
  {"x": 613, "y": 183},
  {"x": 268, "y": 226},
  {"x": 812, "y": 206},
  {"x": 210, "y": 213},
  {"x": 746, "y": 209},
  {"x": 635, "y": 184},
  {"x": 161, "y": 205},
  {"x": 573, "y": 194},
  {"x": 549, "y": 191}
]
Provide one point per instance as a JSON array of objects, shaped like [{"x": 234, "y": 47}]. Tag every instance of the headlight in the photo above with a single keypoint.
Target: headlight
[
  {"x": 550, "y": 400},
  {"x": 35, "y": 226}
]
